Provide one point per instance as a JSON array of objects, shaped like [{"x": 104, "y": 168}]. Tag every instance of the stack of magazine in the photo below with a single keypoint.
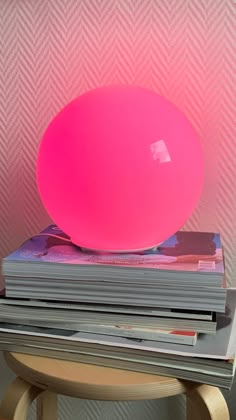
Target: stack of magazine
[{"x": 165, "y": 310}]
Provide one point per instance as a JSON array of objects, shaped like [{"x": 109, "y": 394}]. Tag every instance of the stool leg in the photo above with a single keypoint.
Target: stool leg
[
  {"x": 206, "y": 402},
  {"x": 17, "y": 400},
  {"x": 47, "y": 406}
]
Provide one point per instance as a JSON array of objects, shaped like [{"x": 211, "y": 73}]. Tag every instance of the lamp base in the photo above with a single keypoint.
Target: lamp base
[{"x": 109, "y": 251}]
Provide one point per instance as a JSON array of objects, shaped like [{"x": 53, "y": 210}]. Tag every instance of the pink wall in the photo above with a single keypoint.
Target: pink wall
[{"x": 51, "y": 51}]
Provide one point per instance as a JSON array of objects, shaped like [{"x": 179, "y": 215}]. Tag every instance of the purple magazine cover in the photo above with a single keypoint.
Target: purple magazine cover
[{"x": 184, "y": 251}]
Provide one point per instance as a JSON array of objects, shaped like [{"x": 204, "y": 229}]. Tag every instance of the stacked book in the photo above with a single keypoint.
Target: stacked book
[{"x": 164, "y": 310}]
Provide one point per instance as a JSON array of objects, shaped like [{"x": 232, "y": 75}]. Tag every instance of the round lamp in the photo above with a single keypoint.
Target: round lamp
[{"x": 120, "y": 169}]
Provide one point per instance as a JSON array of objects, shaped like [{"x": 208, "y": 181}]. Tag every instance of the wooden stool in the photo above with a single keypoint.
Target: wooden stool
[{"x": 45, "y": 378}]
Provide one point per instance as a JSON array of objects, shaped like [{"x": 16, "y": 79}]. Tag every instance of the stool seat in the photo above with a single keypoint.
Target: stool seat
[
  {"x": 90, "y": 381},
  {"x": 43, "y": 378}
]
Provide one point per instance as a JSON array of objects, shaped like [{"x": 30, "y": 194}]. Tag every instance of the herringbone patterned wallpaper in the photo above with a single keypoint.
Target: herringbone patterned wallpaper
[{"x": 51, "y": 51}]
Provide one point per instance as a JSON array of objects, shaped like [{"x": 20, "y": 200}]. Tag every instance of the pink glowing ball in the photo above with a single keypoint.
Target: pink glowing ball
[{"x": 120, "y": 169}]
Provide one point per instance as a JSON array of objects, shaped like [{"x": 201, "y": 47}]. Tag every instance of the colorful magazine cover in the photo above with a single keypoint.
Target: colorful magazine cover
[{"x": 184, "y": 251}]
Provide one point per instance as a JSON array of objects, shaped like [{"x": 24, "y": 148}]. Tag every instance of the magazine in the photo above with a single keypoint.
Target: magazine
[
  {"x": 183, "y": 255},
  {"x": 221, "y": 345},
  {"x": 72, "y": 306}
]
